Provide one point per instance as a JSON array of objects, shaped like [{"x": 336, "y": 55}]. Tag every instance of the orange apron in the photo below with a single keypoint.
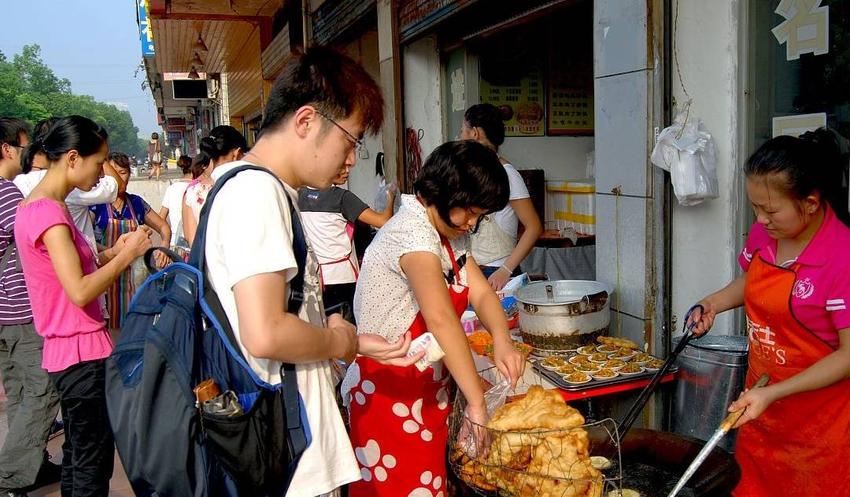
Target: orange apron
[{"x": 800, "y": 445}]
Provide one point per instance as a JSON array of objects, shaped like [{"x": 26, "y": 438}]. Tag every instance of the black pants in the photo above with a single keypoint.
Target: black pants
[
  {"x": 88, "y": 452},
  {"x": 340, "y": 298}
]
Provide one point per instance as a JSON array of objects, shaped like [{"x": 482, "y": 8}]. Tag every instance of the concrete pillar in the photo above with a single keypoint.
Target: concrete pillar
[
  {"x": 629, "y": 189},
  {"x": 389, "y": 60}
]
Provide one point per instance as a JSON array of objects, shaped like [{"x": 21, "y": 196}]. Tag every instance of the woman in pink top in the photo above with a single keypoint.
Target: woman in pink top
[
  {"x": 64, "y": 282},
  {"x": 795, "y": 288}
]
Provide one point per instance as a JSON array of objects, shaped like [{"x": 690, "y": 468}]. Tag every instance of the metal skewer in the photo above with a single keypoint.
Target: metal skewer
[{"x": 725, "y": 427}]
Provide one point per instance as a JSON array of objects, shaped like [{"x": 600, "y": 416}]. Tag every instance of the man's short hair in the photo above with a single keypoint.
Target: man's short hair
[
  {"x": 11, "y": 129},
  {"x": 329, "y": 80}
]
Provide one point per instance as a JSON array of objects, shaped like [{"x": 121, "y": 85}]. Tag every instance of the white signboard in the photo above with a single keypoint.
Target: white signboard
[{"x": 797, "y": 125}]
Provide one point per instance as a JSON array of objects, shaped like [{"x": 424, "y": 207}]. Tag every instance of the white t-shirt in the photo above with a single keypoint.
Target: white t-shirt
[
  {"x": 506, "y": 218},
  {"x": 173, "y": 201},
  {"x": 78, "y": 201},
  {"x": 384, "y": 302},
  {"x": 250, "y": 233}
]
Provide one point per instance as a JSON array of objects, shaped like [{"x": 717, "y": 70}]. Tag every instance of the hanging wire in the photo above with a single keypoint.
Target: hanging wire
[
  {"x": 687, "y": 106},
  {"x": 676, "y": 52}
]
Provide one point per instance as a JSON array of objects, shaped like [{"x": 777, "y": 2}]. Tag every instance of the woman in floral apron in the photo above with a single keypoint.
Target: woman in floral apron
[
  {"x": 794, "y": 433},
  {"x": 418, "y": 276},
  {"x": 125, "y": 215}
]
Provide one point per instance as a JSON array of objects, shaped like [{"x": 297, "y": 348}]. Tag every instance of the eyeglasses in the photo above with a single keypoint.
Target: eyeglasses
[{"x": 358, "y": 143}]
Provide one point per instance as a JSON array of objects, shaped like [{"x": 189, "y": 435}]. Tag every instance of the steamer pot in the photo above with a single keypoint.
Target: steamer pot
[{"x": 563, "y": 314}]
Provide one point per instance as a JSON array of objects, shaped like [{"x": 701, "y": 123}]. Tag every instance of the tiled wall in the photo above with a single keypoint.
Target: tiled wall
[{"x": 623, "y": 77}]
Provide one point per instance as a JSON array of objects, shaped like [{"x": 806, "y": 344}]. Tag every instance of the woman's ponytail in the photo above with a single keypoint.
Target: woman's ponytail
[{"x": 35, "y": 147}]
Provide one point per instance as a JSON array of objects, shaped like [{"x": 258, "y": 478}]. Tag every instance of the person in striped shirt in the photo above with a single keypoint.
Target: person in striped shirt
[{"x": 32, "y": 401}]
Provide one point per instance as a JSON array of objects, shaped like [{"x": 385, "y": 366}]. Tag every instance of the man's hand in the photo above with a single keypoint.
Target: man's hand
[
  {"x": 344, "y": 339},
  {"x": 393, "y": 354},
  {"x": 161, "y": 259}
]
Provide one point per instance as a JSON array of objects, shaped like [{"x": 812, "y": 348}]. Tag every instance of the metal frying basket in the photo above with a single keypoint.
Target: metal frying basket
[{"x": 499, "y": 463}]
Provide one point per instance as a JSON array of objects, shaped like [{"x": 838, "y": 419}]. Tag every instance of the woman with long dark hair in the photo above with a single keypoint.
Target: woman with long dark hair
[{"x": 64, "y": 282}]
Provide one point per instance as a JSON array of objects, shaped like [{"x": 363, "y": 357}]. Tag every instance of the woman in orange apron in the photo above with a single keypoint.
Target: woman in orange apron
[
  {"x": 795, "y": 434},
  {"x": 418, "y": 277},
  {"x": 122, "y": 216}
]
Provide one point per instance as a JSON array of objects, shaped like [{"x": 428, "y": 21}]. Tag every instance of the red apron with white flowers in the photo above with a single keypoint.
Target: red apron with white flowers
[{"x": 399, "y": 419}]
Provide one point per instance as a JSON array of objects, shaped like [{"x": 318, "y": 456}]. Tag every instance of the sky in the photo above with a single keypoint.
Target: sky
[{"x": 93, "y": 43}]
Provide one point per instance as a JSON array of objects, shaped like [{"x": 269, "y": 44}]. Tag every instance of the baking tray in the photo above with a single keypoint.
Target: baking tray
[{"x": 556, "y": 379}]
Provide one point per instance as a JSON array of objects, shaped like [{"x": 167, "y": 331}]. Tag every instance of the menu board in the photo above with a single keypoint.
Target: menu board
[
  {"x": 522, "y": 103},
  {"x": 570, "y": 111}
]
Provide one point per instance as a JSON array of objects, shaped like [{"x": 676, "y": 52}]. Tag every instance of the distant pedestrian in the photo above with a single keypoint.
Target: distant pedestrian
[
  {"x": 63, "y": 282},
  {"x": 31, "y": 400},
  {"x": 224, "y": 144},
  {"x": 172, "y": 205},
  {"x": 155, "y": 156},
  {"x": 122, "y": 216}
]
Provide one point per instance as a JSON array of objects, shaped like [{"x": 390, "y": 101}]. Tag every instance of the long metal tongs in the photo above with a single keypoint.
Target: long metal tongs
[{"x": 643, "y": 398}]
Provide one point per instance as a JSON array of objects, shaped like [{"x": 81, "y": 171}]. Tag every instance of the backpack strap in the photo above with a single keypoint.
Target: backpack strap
[
  {"x": 197, "y": 258},
  {"x": 8, "y": 255}
]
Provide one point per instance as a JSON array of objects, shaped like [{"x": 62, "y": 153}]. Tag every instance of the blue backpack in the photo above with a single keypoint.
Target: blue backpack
[{"x": 175, "y": 336}]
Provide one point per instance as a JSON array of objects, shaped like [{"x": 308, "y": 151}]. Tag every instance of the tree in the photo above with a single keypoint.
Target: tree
[{"x": 31, "y": 91}]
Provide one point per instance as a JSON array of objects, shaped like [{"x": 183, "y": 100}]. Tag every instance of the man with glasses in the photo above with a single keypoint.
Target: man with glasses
[
  {"x": 31, "y": 401},
  {"x": 316, "y": 115}
]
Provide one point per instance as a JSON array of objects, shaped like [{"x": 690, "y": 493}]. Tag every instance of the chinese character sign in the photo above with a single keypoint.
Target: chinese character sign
[
  {"x": 805, "y": 28},
  {"x": 145, "y": 32}
]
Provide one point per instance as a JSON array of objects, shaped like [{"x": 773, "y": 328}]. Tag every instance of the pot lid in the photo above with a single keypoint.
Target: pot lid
[
  {"x": 736, "y": 344},
  {"x": 563, "y": 291}
]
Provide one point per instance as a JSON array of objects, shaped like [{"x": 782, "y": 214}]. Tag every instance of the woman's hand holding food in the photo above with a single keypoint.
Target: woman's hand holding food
[
  {"x": 509, "y": 361},
  {"x": 472, "y": 435}
]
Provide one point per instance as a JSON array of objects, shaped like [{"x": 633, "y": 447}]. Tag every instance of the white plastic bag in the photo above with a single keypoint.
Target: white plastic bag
[
  {"x": 687, "y": 150},
  {"x": 381, "y": 196},
  {"x": 474, "y": 440}
]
